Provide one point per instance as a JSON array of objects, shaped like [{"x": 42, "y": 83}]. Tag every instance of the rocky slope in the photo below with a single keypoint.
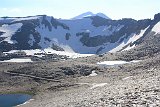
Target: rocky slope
[{"x": 126, "y": 85}]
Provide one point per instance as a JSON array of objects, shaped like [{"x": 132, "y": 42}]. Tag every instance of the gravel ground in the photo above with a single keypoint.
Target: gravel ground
[
  {"x": 128, "y": 85},
  {"x": 133, "y": 85}
]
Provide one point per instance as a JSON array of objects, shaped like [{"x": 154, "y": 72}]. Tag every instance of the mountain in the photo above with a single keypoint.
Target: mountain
[
  {"x": 94, "y": 35},
  {"x": 148, "y": 45},
  {"x": 90, "y": 14}
]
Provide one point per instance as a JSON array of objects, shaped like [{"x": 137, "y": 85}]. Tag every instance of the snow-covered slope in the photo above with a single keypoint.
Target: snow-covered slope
[
  {"x": 132, "y": 38},
  {"x": 9, "y": 31},
  {"x": 90, "y": 35}
]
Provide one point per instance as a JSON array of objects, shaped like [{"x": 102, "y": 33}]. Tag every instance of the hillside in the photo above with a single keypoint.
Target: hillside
[{"x": 92, "y": 35}]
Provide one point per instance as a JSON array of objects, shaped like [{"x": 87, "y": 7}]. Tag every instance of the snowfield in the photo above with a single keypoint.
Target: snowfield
[
  {"x": 113, "y": 63},
  {"x": 51, "y": 51},
  {"x": 9, "y": 30},
  {"x": 18, "y": 60}
]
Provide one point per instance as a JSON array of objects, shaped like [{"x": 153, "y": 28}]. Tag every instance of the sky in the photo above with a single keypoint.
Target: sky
[{"x": 65, "y": 9}]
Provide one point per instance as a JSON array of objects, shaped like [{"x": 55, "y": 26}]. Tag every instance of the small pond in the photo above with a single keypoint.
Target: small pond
[{"x": 10, "y": 100}]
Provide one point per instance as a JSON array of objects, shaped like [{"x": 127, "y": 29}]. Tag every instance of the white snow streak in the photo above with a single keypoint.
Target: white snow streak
[
  {"x": 51, "y": 51},
  {"x": 113, "y": 63},
  {"x": 18, "y": 60},
  {"x": 156, "y": 28},
  {"x": 95, "y": 85}
]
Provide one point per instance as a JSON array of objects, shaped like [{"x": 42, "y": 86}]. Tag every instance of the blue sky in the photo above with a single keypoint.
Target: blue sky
[{"x": 115, "y": 9}]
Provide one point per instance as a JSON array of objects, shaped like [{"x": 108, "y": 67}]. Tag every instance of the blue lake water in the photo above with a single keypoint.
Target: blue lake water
[{"x": 10, "y": 100}]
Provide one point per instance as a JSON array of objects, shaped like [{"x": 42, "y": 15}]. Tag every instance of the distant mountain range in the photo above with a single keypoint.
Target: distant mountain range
[{"x": 86, "y": 33}]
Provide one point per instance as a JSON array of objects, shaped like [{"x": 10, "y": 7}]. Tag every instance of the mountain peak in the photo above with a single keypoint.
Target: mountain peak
[
  {"x": 102, "y": 15},
  {"x": 89, "y": 14}
]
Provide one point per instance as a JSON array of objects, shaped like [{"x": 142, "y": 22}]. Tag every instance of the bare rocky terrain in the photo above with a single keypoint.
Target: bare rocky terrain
[{"x": 68, "y": 84}]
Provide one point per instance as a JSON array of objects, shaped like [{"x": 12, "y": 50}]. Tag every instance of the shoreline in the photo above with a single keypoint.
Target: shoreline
[{"x": 25, "y": 102}]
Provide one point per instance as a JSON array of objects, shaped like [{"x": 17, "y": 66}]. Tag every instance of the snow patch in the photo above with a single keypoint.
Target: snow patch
[
  {"x": 156, "y": 28},
  {"x": 51, "y": 51},
  {"x": 126, "y": 78},
  {"x": 9, "y": 31},
  {"x": 93, "y": 73},
  {"x": 95, "y": 85},
  {"x": 31, "y": 40},
  {"x": 111, "y": 63},
  {"x": 114, "y": 63},
  {"x": 18, "y": 60},
  {"x": 26, "y": 18},
  {"x": 69, "y": 54}
]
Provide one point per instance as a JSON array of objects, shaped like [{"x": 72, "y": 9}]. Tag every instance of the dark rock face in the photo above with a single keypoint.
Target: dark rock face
[
  {"x": 99, "y": 21},
  {"x": 47, "y": 39},
  {"x": 46, "y": 23},
  {"x": 100, "y": 49},
  {"x": 5, "y": 46},
  {"x": 1, "y": 33},
  {"x": 92, "y": 41},
  {"x": 52, "y": 23},
  {"x": 1, "y": 39},
  {"x": 56, "y": 23},
  {"x": 57, "y": 48},
  {"x": 157, "y": 17},
  {"x": 68, "y": 36},
  {"x": 22, "y": 36}
]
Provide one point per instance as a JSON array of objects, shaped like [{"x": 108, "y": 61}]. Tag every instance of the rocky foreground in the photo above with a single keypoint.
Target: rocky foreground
[{"x": 70, "y": 83}]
